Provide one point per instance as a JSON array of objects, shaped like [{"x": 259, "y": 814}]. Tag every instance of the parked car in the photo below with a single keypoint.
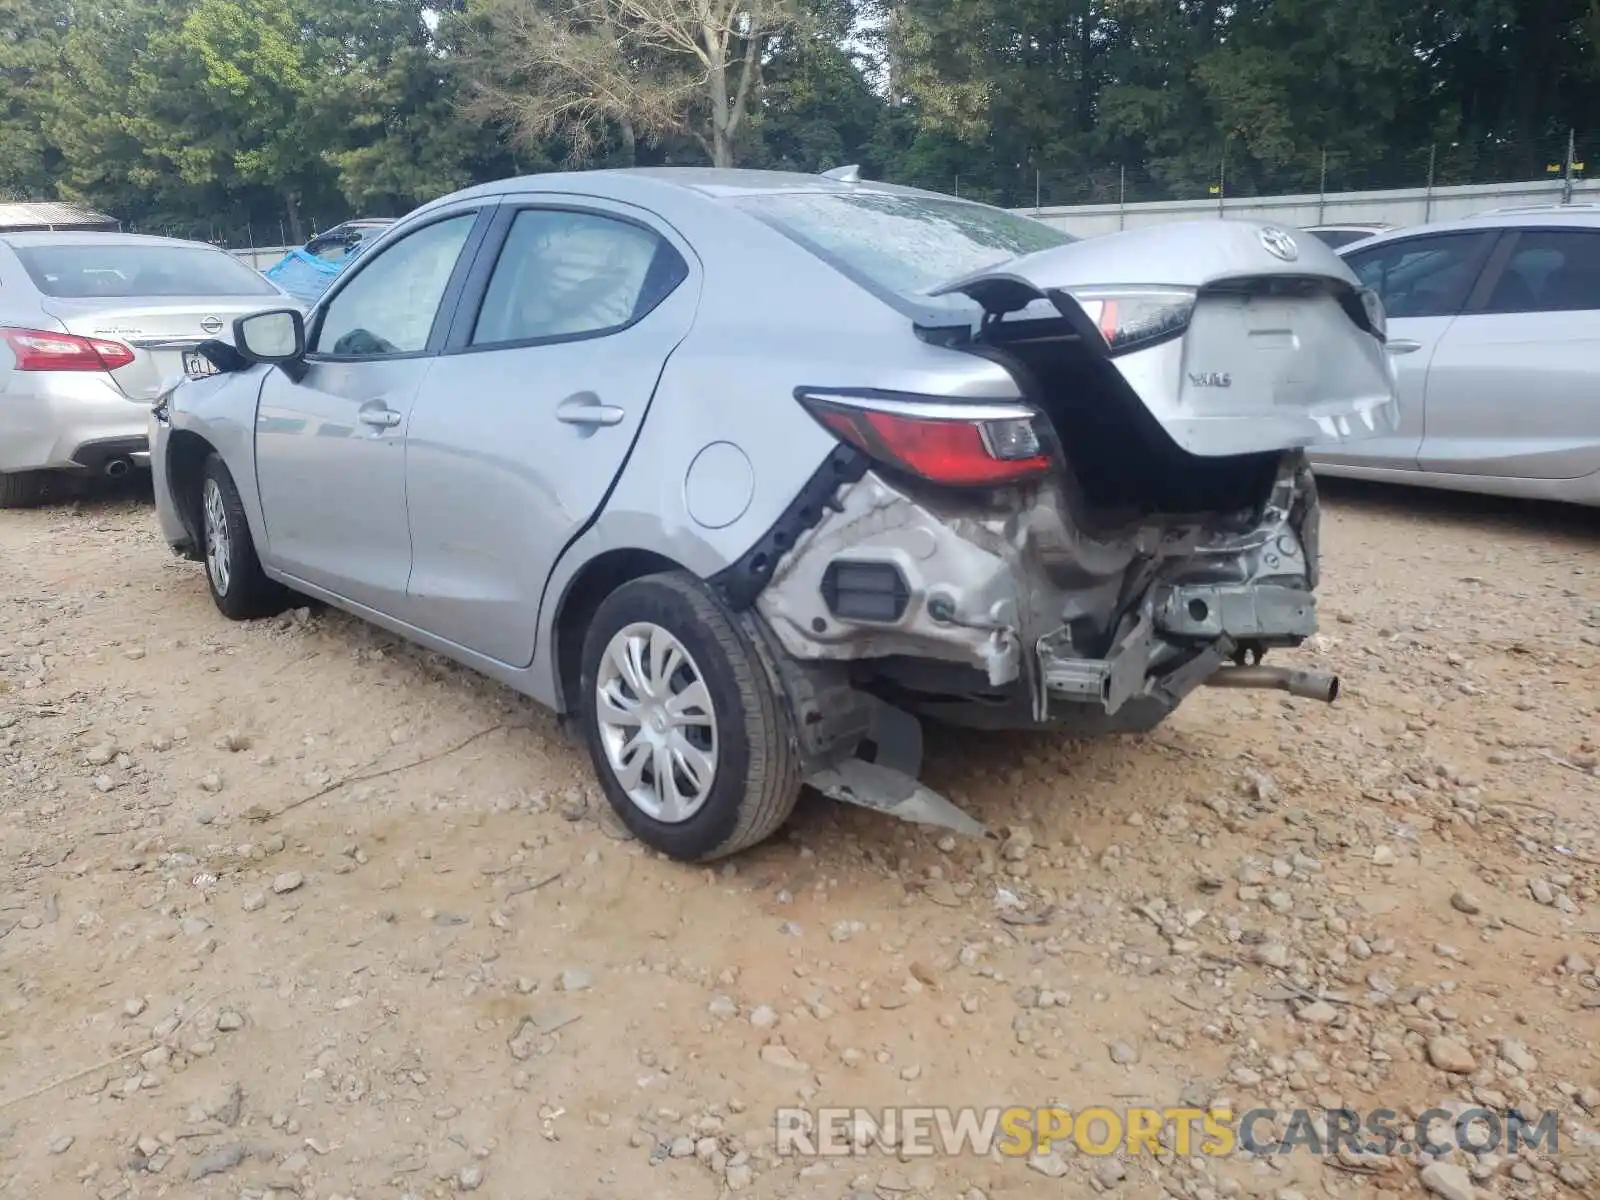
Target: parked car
[
  {"x": 751, "y": 472},
  {"x": 1494, "y": 327},
  {"x": 305, "y": 272},
  {"x": 1339, "y": 236},
  {"x": 90, "y": 326}
]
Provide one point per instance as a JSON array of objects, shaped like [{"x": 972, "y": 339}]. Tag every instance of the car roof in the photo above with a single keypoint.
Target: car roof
[
  {"x": 712, "y": 182},
  {"x": 80, "y": 238},
  {"x": 1556, "y": 216}
]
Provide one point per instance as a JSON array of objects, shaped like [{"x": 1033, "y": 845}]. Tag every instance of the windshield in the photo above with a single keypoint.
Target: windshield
[
  {"x": 119, "y": 270},
  {"x": 904, "y": 245}
]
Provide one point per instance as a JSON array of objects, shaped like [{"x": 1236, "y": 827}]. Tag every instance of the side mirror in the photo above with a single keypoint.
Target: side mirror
[{"x": 277, "y": 337}]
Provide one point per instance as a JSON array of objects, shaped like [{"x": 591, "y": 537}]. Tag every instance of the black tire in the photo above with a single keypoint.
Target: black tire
[
  {"x": 245, "y": 593},
  {"x": 21, "y": 489},
  {"x": 756, "y": 780}
]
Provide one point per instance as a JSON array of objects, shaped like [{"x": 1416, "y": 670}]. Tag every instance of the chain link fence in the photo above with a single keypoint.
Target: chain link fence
[
  {"x": 1218, "y": 172},
  {"x": 1229, "y": 172}
]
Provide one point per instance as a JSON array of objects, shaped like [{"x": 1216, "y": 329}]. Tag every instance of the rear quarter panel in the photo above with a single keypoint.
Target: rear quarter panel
[{"x": 726, "y": 447}]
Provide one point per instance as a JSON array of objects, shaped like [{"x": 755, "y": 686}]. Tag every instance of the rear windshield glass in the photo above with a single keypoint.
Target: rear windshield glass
[
  {"x": 120, "y": 270},
  {"x": 904, "y": 245}
]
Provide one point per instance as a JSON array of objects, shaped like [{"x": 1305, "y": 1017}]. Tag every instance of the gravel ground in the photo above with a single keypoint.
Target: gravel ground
[{"x": 292, "y": 909}]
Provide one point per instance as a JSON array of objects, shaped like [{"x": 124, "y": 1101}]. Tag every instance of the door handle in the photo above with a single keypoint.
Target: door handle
[
  {"x": 379, "y": 417},
  {"x": 1403, "y": 346},
  {"x": 585, "y": 409}
]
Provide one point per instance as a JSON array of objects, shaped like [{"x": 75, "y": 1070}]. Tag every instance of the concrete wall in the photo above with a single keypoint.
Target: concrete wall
[{"x": 1405, "y": 206}]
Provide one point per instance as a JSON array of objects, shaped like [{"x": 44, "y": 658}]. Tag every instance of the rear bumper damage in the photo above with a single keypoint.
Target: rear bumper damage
[{"x": 1001, "y": 612}]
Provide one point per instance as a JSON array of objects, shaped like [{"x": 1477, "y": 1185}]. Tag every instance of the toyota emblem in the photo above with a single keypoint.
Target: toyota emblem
[
  {"x": 1278, "y": 243},
  {"x": 213, "y": 325}
]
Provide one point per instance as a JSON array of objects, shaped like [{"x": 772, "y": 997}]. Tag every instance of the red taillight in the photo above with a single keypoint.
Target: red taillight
[
  {"x": 40, "y": 350},
  {"x": 950, "y": 442}
]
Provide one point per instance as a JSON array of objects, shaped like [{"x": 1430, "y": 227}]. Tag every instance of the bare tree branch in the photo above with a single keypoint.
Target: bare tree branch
[{"x": 597, "y": 71}]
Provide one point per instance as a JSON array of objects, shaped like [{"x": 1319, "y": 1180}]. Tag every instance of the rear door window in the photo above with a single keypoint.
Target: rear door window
[
  {"x": 1549, "y": 270},
  {"x": 1426, "y": 276},
  {"x": 566, "y": 274}
]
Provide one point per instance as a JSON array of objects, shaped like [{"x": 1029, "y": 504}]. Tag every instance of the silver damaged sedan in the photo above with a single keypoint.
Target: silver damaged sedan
[{"x": 753, "y": 474}]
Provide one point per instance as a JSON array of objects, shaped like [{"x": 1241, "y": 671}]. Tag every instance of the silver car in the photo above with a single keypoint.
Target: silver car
[
  {"x": 90, "y": 326},
  {"x": 1494, "y": 327},
  {"x": 750, "y": 473}
]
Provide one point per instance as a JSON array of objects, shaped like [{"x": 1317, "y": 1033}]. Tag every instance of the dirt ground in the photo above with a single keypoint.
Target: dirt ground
[{"x": 291, "y": 909}]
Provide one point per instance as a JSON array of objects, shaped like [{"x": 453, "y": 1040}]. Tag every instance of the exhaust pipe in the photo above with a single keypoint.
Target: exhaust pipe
[
  {"x": 1312, "y": 685},
  {"x": 116, "y": 468}
]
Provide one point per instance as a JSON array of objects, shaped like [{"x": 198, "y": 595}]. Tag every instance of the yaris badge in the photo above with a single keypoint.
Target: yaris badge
[{"x": 1278, "y": 243}]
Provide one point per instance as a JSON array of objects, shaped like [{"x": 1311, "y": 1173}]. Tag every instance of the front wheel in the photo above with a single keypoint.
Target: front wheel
[
  {"x": 240, "y": 588},
  {"x": 690, "y": 741}
]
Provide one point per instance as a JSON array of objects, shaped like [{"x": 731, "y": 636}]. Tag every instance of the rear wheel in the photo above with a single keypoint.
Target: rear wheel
[
  {"x": 240, "y": 588},
  {"x": 690, "y": 742},
  {"x": 21, "y": 489}
]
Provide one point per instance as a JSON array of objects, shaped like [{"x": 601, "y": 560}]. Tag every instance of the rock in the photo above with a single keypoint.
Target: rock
[
  {"x": 253, "y": 901},
  {"x": 1110, "y": 1173},
  {"x": 1449, "y": 1181},
  {"x": 722, "y": 1007},
  {"x": 1272, "y": 954},
  {"x": 763, "y": 1017},
  {"x": 1517, "y": 1055},
  {"x": 1576, "y": 1176},
  {"x": 133, "y": 1006},
  {"x": 470, "y": 1177},
  {"x": 228, "y": 1021},
  {"x": 777, "y": 1055},
  {"x": 1051, "y": 1165},
  {"x": 230, "y": 1108},
  {"x": 739, "y": 1176},
  {"x": 62, "y": 1144},
  {"x": 1383, "y": 856},
  {"x": 1319, "y": 1012},
  {"x": 224, "y": 1158},
  {"x": 289, "y": 881},
  {"x": 1123, "y": 1054},
  {"x": 1015, "y": 848},
  {"x": 575, "y": 980},
  {"x": 211, "y": 782},
  {"x": 681, "y": 1147},
  {"x": 1465, "y": 902},
  {"x": 1451, "y": 1054},
  {"x": 1542, "y": 891}
]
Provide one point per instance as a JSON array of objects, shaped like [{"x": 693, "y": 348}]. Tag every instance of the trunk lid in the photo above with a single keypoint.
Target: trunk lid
[
  {"x": 159, "y": 332},
  {"x": 1266, "y": 341}
]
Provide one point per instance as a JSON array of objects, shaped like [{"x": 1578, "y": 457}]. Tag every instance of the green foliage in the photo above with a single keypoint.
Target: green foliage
[{"x": 266, "y": 119}]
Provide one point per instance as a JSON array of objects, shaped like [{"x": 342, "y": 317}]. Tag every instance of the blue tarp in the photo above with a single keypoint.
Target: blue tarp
[{"x": 304, "y": 276}]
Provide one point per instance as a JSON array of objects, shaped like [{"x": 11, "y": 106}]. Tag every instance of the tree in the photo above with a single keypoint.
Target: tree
[
  {"x": 390, "y": 107},
  {"x": 31, "y": 37},
  {"x": 595, "y": 71}
]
